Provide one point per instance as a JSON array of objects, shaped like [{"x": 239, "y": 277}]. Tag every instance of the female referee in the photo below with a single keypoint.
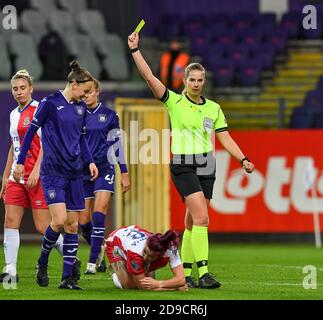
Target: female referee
[
  {"x": 62, "y": 119},
  {"x": 103, "y": 138},
  {"x": 193, "y": 119}
]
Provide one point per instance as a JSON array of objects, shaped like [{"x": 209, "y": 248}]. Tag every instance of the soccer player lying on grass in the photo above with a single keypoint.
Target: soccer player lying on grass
[{"x": 134, "y": 254}]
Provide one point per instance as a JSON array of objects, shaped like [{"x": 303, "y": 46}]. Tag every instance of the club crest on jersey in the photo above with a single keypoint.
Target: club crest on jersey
[
  {"x": 102, "y": 117},
  {"x": 51, "y": 194},
  {"x": 26, "y": 122},
  {"x": 79, "y": 110},
  {"x": 208, "y": 124}
]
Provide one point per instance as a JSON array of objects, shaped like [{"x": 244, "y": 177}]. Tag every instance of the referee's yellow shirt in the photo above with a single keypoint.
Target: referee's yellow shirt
[{"x": 192, "y": 124}]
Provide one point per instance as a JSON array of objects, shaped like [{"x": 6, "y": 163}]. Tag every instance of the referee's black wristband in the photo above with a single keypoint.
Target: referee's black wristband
[
  {"x": 245, "y": 158},
  {"x": 134, "y": 50}
]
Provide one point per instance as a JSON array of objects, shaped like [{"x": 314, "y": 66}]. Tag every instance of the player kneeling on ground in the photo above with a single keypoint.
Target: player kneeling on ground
[{"x": 134, "y": 254}]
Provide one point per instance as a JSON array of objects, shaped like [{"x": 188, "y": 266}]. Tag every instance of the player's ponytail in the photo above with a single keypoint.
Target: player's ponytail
[
  {"x": 22, "y": 74},
  {"x": 159, "y": 243},
  {"x": 78, "y": 74}
]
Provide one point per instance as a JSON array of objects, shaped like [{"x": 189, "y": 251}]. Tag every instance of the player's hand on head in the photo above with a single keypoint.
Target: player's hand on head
[
  {"x": 18, "y": 172},
  {"x": 133, "y": 40},
  {"x": 93, "y": 171},
  {"x": 248, "y": 166},
  {"x": 125, "y": 182}
]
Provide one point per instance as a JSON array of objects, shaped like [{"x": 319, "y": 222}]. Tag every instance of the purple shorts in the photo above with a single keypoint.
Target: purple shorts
[
  {"x": 63, "y": 190},
  {"x": 102, "y": 183}
]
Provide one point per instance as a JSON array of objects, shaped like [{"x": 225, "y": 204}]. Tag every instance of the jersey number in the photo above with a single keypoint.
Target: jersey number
[
  {"x": 109, "y": 178},
  {"x": 135, "y": 234}
]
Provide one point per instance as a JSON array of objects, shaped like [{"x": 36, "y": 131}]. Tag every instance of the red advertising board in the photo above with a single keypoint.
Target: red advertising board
[{"x": 278, "y": 196}]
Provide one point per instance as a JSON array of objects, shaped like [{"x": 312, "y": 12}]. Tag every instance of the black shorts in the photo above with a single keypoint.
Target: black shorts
[{"x": 193, "y": 176}]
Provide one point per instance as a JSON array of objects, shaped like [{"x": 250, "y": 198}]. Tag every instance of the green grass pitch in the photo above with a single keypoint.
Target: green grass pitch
[{"x": 246, "y": 271}]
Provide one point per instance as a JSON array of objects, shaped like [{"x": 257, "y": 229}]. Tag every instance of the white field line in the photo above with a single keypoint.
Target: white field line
[{"x": 270, "y": 266}]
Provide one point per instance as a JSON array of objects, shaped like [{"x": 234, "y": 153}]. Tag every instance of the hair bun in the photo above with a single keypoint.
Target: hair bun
[
  {"x": 75, "y": 66},
  {"x": 22, "y": 72}
]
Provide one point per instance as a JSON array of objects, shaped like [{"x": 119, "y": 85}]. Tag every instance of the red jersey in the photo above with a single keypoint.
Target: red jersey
[
  {"x": 19, "y": 123},
  {"x": 127, "y": 243}
]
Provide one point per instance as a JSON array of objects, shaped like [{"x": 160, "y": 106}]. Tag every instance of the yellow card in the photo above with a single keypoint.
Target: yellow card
[{"x": 140, "y": 25}]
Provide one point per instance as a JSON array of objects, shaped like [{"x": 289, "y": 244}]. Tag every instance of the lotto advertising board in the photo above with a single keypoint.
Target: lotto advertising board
[{"x": 279, "y": 196}]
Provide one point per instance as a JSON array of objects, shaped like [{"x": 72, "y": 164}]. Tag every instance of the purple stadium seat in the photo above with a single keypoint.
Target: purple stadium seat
[
  {"x": 278, "y": 39},
  {"x": 301, "y": 118},
  {"x": 250, "y": 72},
  {"x": 265, "y": 23},
  {"x": 318, "y": 123},
  {"x": 238, "y": 54},
  {"x": 242, "y": 21},
  {"x": 226, "y": 38},
  {"x": 199, "y": 43},
  {"x": 216, "y": 28},
  {"x": 314, "y": 101},
  {"x": 169, "y": 27},
  {"x": 223, "y": 73},
  {"x": 291, "y": 23},
  {"x": 221, "y": 17},
  {"x": 265, "y": 52},
  {"x": 266, "y": 19},
  {"x": 251, "y": 37},
  {"x": 320, "y": 84},
  {"x": 193, "y": 22},
  {"x": 214, "y": 53},
  {"x": 218, "y": 21}
]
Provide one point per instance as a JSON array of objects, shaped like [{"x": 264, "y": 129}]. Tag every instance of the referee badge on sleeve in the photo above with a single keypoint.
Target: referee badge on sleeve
[{"x": 208, "y": 124}]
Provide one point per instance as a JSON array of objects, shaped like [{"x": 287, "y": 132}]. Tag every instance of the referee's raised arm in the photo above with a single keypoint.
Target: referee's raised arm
[{"x": 155, "y": 85}]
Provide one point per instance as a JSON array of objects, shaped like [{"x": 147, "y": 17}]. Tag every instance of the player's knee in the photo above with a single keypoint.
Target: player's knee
[
  {"x": 41, "y": 228},
  {"x": 100, "y": 208},
  {"x": 71, "y": 227},
  {"x": 201, "y": 221},
  {"x": 84, "y": 219},
  {"x": 57, "y": 226},
  {"x": 11, "y": 223}
]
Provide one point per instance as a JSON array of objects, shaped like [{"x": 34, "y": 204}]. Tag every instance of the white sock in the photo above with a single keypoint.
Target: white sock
[
  {"x": 11, "y": 244},
  {"x": 59, "y": 245},
  {"x": 116, "y": 281}
]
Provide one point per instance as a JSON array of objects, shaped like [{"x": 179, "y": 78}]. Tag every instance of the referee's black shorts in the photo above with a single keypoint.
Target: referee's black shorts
[{"x": 193, "y": 173}]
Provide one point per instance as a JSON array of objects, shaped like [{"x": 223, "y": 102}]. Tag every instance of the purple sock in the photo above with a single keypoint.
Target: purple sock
[
  {"x": 97, "y": 235},
  {"x": 70, "y": 247},
  {"x": 49, "y": 241},
  {"x": 86, "y": 231}
]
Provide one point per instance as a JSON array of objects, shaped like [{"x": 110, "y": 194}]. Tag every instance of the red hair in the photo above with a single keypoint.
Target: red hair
[{"x": 159, "y": 243}]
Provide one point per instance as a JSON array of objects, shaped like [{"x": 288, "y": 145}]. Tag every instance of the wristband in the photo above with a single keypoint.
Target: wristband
[
  {"x": 245, "y": 158},
  {"x": 134, "y": 50}
]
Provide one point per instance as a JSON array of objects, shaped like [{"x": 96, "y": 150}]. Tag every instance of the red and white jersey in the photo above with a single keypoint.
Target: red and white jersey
[
  {"x": 128, "y": 243},
  {"x": 19, "y": 123}
]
